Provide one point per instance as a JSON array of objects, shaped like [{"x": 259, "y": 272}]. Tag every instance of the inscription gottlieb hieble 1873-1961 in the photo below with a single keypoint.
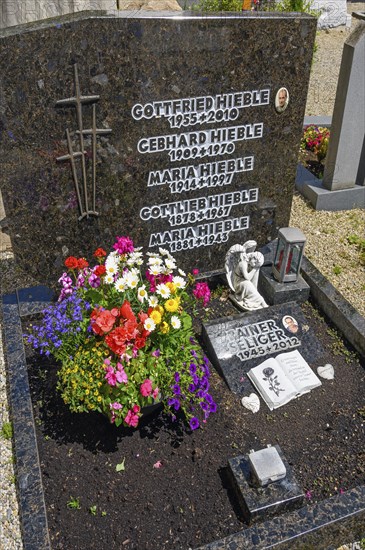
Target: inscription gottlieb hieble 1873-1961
[{"x": 204, "y": 220}]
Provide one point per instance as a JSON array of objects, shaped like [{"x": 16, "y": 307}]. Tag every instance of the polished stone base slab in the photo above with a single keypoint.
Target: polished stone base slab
[
  {"x": 324, "y": 199},
  {"x": 280, "y": 293},
  {"x": 258, "y": 503}
]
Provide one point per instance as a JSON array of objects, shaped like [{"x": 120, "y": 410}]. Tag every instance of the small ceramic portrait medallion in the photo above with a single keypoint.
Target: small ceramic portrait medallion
[{"x": 281, "y": 100}]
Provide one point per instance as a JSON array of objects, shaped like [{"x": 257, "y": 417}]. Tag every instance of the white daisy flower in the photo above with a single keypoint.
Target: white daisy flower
[
  {"x": 179, "y": 282},
  {"x": 170, "y": 264},
  {"x": 135, "y": 258},
  {"x": 155, "y": 269},
  {"x": 154, "y": 260},
  {"x": 153, "y": 254},
  {"x": 175, "y": 322},
  {"x": 142, "y": 293},
  {"x": 120, "y": 285},
  {"x": 149, "y": 324},
  {"x": 153, "y": 301},
  {"x": 181, "y": 272},
  {"x": 111, "y": 265},
  {"x": 131, "y": 279},
  {"x": 163, "y": 291},
  {"x": 164, "y": 252},
  {"x": 109, "y": 279}
]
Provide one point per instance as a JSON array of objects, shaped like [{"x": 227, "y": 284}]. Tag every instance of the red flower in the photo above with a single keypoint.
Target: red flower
[
  {"x": 117, "y": 340},
  {"x": 100, "y": 270},
  {"x": 99, "y": 253},
  {"x": 82, "y": 263},
  {"x": 102, "y": 321},
  {"x": 126, "y": 311},
  {"x": 71, "y": 262}
]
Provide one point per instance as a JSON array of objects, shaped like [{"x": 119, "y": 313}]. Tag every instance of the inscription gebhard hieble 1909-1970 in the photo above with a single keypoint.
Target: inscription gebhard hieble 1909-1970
[
  {"x": 237, "y": 344},
  {"x": 205, "y": 220}
]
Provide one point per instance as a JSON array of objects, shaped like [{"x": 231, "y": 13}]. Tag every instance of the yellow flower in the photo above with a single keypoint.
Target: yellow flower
[
  {"x": 171, "y": 286},
  {"x": 171, "y": 305},
  {"x": 87, "y": 392},
  {"x": 155, "y": 316},
  {"x": 160, "y": 309},
  {"x": 99, "y": 398},
  {"x": 164, "y": 328}
]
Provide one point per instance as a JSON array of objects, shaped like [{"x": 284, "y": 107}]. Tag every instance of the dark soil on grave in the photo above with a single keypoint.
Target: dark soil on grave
[{"x": 188, "y": 501}]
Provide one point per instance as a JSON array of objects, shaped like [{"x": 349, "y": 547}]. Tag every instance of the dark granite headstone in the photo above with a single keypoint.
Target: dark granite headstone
[
  {"x": 200, "y": 155},
  {"x": 240, "y": 342}
]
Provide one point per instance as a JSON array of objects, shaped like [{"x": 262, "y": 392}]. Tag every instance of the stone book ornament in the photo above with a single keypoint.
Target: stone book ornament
[{"x": 242, "y": 269}]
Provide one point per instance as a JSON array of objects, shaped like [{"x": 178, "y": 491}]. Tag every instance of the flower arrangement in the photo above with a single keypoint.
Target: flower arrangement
[
  {"x": 125, "y": 341},
  {"x": 315, "y": 139}
]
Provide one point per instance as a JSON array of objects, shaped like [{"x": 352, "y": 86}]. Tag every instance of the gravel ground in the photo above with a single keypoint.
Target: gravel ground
[{"x": 327, "y": 247}]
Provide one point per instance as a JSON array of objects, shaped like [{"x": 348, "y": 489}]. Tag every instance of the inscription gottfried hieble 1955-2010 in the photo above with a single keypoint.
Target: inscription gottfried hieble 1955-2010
[{"x": 190, "y": 220}]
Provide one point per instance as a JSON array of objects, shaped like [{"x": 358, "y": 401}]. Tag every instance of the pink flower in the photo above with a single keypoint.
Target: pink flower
[
  {"x": 131, "y": 419},
  {"x": 195, "y": 271},
  {"x": 121, "y": 374},
  {"x": 202, "y": 292},
  {"x": 158, "y": 464},
  {"x": 146, "y": 387},
  {"x": 155, "y": 393},
  {"x": 123, "y": 245},
  {"x": 308, "y": 495},
  {"x": 110, "y": 376},
  {"x": 116, "y": 406}
]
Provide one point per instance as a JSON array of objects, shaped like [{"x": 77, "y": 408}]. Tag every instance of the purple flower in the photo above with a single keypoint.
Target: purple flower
[
  {"x": 192, "y": 368},
  {"x": 177, "y": 377},
  {"x": 213, "y": 407},
  {"x": 176, "y": 389},
  {"x": 204, "y": 405},
  {"x": 192, "y": 388},
  {"x": 94, "y": 281},
  {"x": 156, "y": 353},
  {"x": 194, "y": 423}
]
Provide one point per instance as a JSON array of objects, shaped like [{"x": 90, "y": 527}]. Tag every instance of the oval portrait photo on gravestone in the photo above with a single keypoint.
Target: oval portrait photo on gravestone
[
  {"x": 281, "y": 100},
  {"x": 290, "y": 324}
]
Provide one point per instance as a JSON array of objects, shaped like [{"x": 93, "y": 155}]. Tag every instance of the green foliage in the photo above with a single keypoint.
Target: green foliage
[
  {"x": 7, "y": 430},
  {"x": 218, "y": 5},
  {"x": 74, "y": 503},
  {"x": 316, "y": 139},
  {"x": 338, "y": 346},
  {"x": 120, "y": 467},
  {"x": 337, "y": 270},
  {"x": 359, "y": 242},
  {"x": 92, "y": 510}
]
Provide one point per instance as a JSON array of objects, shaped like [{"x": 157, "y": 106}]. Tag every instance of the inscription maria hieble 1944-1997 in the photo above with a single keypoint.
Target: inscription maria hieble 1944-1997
[{"x": 205, "y": 119}]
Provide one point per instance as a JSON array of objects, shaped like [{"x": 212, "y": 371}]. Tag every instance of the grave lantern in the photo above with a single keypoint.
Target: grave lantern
[{"x": 288, "y": 256}]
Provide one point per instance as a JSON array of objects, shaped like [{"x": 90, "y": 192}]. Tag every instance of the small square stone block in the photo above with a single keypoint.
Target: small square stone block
[
  {"x": 260, "y": 503},
  {"x": 280, "y": 293}
]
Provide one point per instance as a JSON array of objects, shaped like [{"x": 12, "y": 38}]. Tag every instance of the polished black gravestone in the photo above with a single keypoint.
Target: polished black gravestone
[
  {"x": 259, "y": 503},
  {"x": 200, "y": 155},
  {"x": 240, "y": 342}
]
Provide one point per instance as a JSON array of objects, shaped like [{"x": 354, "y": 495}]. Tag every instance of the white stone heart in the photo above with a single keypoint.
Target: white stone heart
[
  {"x": 327, "y": 372},
  {"x": 252, "y": 402}
]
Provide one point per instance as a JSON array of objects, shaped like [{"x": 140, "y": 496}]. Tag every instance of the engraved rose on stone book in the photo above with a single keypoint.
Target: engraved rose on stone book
[{"x": 274, "y": 384}]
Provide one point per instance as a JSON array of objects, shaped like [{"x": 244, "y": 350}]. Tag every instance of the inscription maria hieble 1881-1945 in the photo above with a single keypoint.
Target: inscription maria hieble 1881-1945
[{"x": 200, "y": 154}]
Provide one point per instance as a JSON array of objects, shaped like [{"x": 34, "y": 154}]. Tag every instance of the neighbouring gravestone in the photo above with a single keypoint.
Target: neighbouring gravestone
[
  {"x": 205, "y": 114},
  {"x": 345, "y": 163},
  {"x": 240, "y": 342},
  {"x": 343, "y": 184}
]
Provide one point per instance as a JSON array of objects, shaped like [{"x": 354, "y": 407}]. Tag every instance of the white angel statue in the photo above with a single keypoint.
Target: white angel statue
[{"x": 242, "y": 268}]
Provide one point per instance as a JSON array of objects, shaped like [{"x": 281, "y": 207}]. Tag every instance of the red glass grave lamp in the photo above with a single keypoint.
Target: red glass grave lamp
[{"x": 289, "y": 254}]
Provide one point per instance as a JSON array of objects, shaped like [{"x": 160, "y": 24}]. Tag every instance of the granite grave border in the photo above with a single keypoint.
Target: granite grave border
[{"x": 323, "y": 525}]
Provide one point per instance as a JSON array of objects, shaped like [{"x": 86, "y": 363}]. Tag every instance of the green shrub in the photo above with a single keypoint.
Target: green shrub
[{"x": 7, "y": 430}]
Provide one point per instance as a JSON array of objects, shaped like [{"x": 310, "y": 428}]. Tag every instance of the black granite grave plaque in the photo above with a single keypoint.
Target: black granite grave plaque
[
  {"x": 240, "y": 342},
  {"x": 200, "y": 156}
]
